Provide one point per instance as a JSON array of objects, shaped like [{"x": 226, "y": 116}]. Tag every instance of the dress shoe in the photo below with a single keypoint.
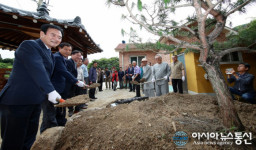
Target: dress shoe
[
  {"x": 70, "y": 113},
  {"x": 84, "y": 107}
]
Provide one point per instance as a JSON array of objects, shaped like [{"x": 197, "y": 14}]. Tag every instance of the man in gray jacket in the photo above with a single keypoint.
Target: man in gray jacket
[
  {"x": 147, "y": 77},
  {"x": 161, "y": 73}
]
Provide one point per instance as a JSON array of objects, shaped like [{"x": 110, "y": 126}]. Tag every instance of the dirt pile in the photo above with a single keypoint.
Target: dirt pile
[
  {"x": 48, "y": 139},
  {"x": 149, "y": 124}
]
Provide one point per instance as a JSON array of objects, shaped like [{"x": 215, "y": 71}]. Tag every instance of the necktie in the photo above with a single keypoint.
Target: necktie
[{"x": 49, "y": 52}]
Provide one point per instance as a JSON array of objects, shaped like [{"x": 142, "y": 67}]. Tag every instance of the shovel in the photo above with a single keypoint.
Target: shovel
[
  {"x": 136, "y": 82},
  {"x": 71, "y": 102},
  {"x": 94, "y": 85}
]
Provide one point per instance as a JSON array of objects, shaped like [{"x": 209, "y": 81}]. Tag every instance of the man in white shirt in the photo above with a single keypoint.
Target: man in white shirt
[{"x": 85, "y": 70}]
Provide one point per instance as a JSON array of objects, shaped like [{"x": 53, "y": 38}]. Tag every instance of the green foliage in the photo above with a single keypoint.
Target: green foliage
[
  {"x": 166, "y": 2},
  {"x": 123, "y": 17},
  {"x": 106, "y": 62},
  {"x": 123, "y": 32},
  {"x": 155, "y": 46},
  {"x": 143, "y": 18},
  {"x": 151, "y": 28},
  {"x": 139, "y": 4},
  {"x": 245, "y": 37},
  {"x": 126, "y": 47},
  {"x": 160, "y": 33},
  {"x": 8, "y": 60},
  {"x": 6, "y": 63}
]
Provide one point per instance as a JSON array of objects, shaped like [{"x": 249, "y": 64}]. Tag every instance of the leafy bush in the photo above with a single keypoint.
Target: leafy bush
[
  {"x": 8, "y": 60},
  {"x": 106, "y": 63}
]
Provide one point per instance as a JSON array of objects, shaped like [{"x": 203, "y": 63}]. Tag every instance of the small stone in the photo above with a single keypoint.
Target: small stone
[{"x": 185, "y": 114}]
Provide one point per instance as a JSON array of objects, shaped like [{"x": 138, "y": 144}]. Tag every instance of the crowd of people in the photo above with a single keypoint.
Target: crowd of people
[
  {"x": 39, "y": 79},
  {"x": 153, "y": 78}
]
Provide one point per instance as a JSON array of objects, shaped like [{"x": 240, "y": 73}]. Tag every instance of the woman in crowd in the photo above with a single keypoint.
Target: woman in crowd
[{"x": 114, "y": 79}]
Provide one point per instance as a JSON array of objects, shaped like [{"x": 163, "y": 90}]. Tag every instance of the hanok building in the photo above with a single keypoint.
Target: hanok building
[
  {"x": 18, "y": 25},
  {"x": 129, "y": 52}
]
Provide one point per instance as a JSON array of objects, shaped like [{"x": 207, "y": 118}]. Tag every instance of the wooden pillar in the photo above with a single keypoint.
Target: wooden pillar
[{"x": 85, "y": 53}]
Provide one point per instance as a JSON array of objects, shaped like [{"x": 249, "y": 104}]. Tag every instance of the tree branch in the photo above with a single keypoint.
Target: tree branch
[
  {"x": 253, "y": 44},
  {"x": 187, "y": 45},
  {"x": 117, "y": 2},
  {"x": 176, "y": 27},
  {"x": 217, "y": 15},
  {"x": 201, "y": 31},
  {"x": 178, "y": 47},
  {"x": 238, "y": 7},
  {"x": 235, "y": 49},
  {"x": 221, "y": 20},
  {"x": 180, "y": 6},
  {"x": 210, "y": 9}
]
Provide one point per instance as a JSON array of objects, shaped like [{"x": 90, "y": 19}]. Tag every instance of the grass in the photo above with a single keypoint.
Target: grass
[{"x": 5, "y": 65}]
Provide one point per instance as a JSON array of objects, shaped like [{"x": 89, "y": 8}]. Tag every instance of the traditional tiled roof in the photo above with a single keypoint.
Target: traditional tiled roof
[{"x": 29, "y": 22}]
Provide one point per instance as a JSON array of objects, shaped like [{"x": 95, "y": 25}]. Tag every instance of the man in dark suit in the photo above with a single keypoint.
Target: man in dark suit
[
  {"x": 100, "y": 79},
  {"x": 120, "y": 77},
  {"x": 52, "y": 118},
  {"x": 70, "y": 89},
  {"x": 28, "y": 86},
  {"x": 130, "y": 74}
]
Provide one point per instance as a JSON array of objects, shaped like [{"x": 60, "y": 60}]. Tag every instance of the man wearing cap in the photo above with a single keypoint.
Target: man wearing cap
[
  {"x": 147, "y": 77},
  {"x": 161, "y": 73}
]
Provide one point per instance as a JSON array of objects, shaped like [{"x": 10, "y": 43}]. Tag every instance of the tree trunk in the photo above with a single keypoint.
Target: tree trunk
[{"x": 230, "y": 117}]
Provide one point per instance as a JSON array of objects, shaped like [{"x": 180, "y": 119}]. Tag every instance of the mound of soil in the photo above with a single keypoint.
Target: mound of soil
[
  {"x": 48, "y": 139},
  {"x": 149, "y": 124}
]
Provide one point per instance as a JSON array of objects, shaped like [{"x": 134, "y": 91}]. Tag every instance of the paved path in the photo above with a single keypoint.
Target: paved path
[{"x": 108, "y": 95}]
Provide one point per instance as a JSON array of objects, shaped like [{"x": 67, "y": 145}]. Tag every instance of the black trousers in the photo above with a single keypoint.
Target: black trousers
[
  {"x": 137, "y": 87},
  {"x": 77, "y": 91},
  {"x": 92, "y": 92},
  {"x": 130, "y": 85},
  {"x": 177, "y": 83},
  {"x": 49, "y": 116},
  {"x": 19, "y": 125},
  {"x": 61, "y": 112},
  {"x": 86, "y": 79},
  {"x": 126, "y": 83},
  {"x": 100, "y": 87},
  {"x": 133, "y": 87}
]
